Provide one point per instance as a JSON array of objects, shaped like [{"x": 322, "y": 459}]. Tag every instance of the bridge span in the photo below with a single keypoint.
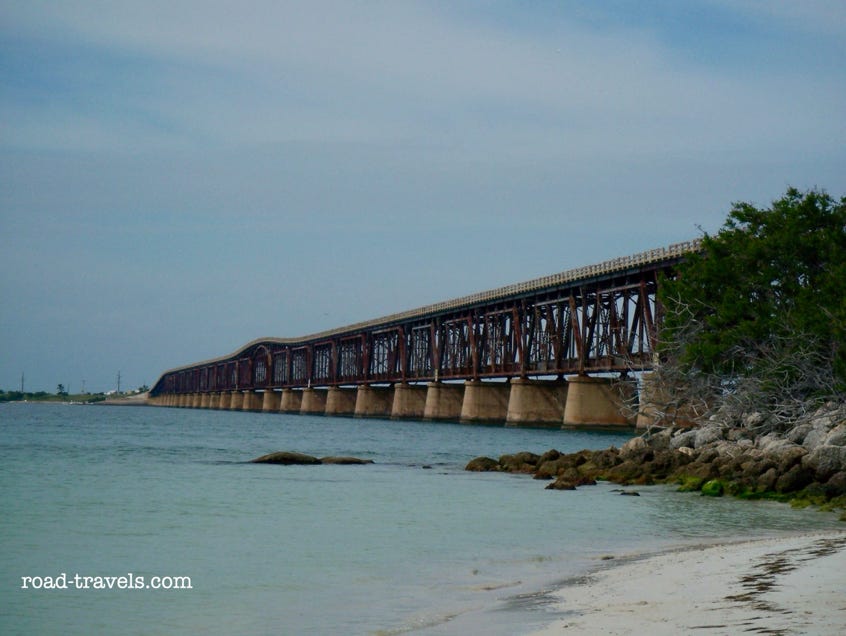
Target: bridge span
[{"x": 527, "y": 353}]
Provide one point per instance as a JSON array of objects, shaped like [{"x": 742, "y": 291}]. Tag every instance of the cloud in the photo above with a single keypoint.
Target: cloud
[{"x": 414, "y": 72}]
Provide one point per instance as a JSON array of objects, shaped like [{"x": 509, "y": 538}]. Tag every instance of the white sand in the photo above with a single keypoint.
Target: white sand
[{"x": 791, "y": 585}]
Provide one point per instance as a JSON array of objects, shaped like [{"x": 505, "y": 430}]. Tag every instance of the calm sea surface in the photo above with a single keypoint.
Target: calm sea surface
[{"x": 410, "y": 544}]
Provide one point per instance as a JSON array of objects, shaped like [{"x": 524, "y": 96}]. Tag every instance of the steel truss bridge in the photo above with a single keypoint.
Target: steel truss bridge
[{"x": 593, "y": 319}]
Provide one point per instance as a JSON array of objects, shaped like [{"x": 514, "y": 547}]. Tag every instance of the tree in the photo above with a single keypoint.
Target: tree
[
  {"x": 758, "y": 318},
  {"x": 60, "y": 390}
]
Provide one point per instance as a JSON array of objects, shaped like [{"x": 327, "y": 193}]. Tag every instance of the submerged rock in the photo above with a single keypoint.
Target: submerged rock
[
  {"x": 286, "y": 458},
  {"x": 482, "y": 464},
  {"x": 345, "y": 460}
]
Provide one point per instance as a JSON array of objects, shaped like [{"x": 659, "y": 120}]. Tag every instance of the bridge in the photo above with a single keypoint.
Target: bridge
[{"x": 556, "y": 350}]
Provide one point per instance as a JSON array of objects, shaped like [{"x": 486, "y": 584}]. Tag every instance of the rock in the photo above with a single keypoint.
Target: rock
[
  {"x": 561, "y": 484},
  {"x": 797, "y": 433},
  {"x": 712, "y": 488},
  {"x": 630, "y": 493},
  {"x": 635, "y": 446},
  {"x": 345, "y": 460},
  {"x": 753, "y": 420},
  {"x": 825, "y": 461},
  {"x": 524, "y": 462},
  {"x": 707, "y": 435},
  {"x": 789, "y": 456},
  {"x": 837, "y": 436},
  {"x": 794, "y": 479},
  {"x": 482, "y": 464},
  {"x": 686, "y": 450},
  {"x": 767, "y": 480},
  {"x": 549, "y": 456},
  {"x": 820, "y": 427},
  {"x": 685, "y": 438},
  {"x": 836, "y": 485},
  {"x": 285, "y": 458},
  {"x": 660, "y": 440}
]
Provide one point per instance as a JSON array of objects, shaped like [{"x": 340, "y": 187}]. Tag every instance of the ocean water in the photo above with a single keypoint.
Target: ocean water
[{"x": 410, "y": 544}]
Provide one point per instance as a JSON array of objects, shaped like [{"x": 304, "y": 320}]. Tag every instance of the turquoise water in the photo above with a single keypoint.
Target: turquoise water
[{"x": 410, "y": 544}]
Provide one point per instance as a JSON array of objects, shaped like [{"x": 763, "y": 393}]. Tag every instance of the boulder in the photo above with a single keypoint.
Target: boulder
[
  {"x": 524, "y": 462},
  {"x": 706, "y": 435},
  {"x": 285, "y": 458},
  {"x": 683, "y": 438},
  {"x": 836, "y": 485},
  {"x": 634, "y": 447},
  {"x": 482, "y": 464},
  {"x": 561, "y": 484},
  {"x": 794, "y": 479},
  {"x": 837, "y": 436},
  {"x": 825, "y": 461}
]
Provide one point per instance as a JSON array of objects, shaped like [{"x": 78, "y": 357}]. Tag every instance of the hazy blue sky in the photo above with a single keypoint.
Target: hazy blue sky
[{"x": 178, "y": 178}]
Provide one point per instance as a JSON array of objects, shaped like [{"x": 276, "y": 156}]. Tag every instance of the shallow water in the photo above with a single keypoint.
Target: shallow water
[{"x": 411, "y": 543}]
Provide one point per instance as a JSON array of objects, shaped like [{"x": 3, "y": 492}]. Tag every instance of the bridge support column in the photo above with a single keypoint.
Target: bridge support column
[
  {"x": 214, "y": 401},
  {"x": 314, "y": 401},
  {"x": 443, "y": 401},
  {"x": 184, "y": 400},
  {"x": 536, "y": 402},
  {"x": 409, "y": 401},
  {"x": 204, "y": 401},
  {"x": 374, "y": 401},
  {"x": 252, "y": 401},
  {"x": 485, "y": 401},
  {"x": 291, "y": 402},
  {"x": 197, "y": 400},
  {"x": 597, "y": 402},
  {"x": 270, "y": 401},
  {"x": 340, "y": 401},
  {"x": 236, "y": 402},
  {"x": 225, "y": 401}
]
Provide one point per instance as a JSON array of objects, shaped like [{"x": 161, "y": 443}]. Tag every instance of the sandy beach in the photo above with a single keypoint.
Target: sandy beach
[{"x": 787, "y": 585}]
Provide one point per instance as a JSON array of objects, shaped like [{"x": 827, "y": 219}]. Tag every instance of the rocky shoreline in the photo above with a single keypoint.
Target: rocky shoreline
[{"x": 805, "y": 464}]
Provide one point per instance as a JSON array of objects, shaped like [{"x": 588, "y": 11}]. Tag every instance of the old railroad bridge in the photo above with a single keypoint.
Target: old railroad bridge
[{"x": 555, "y": 350}]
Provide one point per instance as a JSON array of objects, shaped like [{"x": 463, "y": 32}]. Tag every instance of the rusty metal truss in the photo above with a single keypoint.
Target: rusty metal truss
[{"x": 601, "y": 318}]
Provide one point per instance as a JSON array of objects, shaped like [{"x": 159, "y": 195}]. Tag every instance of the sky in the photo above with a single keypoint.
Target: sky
[{"x": 180, "y": 177}]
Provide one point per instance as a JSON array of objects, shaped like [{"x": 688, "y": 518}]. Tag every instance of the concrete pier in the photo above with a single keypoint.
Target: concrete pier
[
  {"x": 214, "y": 401},
  {"x": 535, "y": 402},
  {"x": 485, "y": 401},
  {"x": 236, "y": 403},
  {"x": 409, "y": 401},
  {"x": 597, "y": 402},
  {"x": 204, "y": 400},
  {"x": 374, "y": 401},
  {"x": 340, "y": 401},
  {"x": 292, "y": 401},
  {"x": 443, "y": 401},
  {"x": 225, "y": 400},
  {"x": 270, "y": 401},
  {"x": 251, "y": 401},
  {"x": 314, "y": 401}
]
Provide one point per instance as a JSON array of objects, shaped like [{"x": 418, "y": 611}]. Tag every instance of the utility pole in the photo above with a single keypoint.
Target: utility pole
[
  {"x": 118, "y": 382},
  {"x": 22, "y": 382}
]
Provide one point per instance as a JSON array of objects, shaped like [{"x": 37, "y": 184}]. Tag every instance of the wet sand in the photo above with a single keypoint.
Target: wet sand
[{"x": 788, "y": 585}]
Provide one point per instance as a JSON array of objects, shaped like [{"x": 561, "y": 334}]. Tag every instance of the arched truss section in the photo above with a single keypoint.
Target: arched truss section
[{"x": 600, "y": 318}]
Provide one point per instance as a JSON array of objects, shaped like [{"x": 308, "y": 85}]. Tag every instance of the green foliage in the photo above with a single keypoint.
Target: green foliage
[{"x": 767, "y": 289}]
